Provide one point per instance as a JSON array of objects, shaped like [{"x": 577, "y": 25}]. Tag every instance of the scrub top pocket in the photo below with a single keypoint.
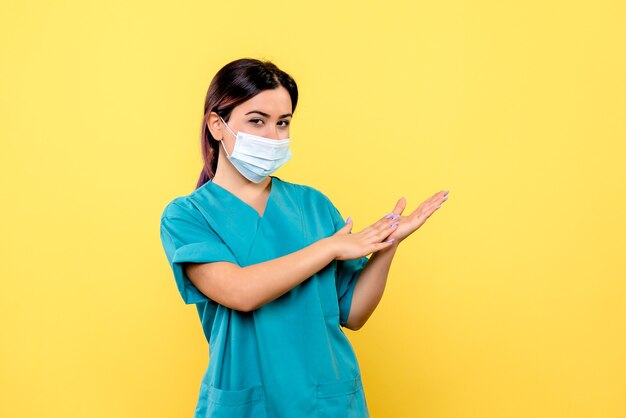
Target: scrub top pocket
[
  {"x": 245, "y": 403},
  {"x": 342, "y": 399}
]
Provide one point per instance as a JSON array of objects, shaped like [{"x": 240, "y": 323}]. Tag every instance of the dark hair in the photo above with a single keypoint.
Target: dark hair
[{"x": 235, "y": 83}]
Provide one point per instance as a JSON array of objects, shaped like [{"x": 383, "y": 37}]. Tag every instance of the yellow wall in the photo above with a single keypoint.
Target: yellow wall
[{"x": 509, "y": 302}]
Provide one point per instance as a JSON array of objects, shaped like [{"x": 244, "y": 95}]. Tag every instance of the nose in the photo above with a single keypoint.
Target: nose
[{"x": 272, "y": 132}]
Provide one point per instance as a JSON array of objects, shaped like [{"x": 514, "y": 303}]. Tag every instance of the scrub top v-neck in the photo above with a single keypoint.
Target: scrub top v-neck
[
  {"x": 245, "y": 204},
  {"x": 290, "y": 357}
]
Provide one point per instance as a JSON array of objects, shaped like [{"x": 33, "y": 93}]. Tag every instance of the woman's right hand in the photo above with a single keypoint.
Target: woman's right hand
[{"x": 349, "y": 246}]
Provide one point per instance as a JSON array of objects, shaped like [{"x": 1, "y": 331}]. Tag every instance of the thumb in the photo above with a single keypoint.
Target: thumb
[
  {"x": 400, "y": 206},
  {"x": 347, "y": 227}
]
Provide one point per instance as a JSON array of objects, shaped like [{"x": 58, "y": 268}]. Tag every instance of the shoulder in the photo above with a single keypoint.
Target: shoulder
[
  {"x": 186, "y": 206},
  {"x": 316, "y": 205},
  {"x": 308, "y": 194},
  {"x": 181, "y": 207}
]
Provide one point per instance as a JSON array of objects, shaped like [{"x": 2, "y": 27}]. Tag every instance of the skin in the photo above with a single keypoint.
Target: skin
[{"x": 248, "y": 288}]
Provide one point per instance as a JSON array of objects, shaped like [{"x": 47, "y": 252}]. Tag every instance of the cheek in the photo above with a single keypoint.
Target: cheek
[
  {"x": 228, "y": 144},
  {"x": 284, "y": 132}
]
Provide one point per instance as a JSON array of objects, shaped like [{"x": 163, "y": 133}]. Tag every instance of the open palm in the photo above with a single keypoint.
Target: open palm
[{"x": 410, "y": 223}]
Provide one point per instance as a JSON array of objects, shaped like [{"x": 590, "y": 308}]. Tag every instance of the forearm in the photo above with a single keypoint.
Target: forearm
[
  {"x": 263, "y": 282},
  {"x": 248, "y": 288},
  {"x": 370, "y": 287}
]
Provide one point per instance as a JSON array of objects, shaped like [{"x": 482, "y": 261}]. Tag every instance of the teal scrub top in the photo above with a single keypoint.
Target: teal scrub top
[{"x": 289, "y": 358}]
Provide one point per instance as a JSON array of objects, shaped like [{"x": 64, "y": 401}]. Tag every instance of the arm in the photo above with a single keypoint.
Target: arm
[
  {"x": 370, "y": 287},
  {"x": 248, "y": 288}
]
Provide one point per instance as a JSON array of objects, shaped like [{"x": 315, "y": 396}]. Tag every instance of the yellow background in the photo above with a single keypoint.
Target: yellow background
[{"x": 509, "y": 302}]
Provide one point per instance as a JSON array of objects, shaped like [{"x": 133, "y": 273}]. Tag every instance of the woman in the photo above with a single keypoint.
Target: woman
[{"x": 272, "y": 267}]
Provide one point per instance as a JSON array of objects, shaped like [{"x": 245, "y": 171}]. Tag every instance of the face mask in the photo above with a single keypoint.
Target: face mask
[{"x": 256, "y": 157}]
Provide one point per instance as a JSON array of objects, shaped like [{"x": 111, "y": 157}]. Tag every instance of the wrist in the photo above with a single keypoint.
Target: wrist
[{"x": 329, "y": 247}]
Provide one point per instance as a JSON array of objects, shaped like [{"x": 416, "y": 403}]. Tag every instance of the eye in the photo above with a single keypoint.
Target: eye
[
  {"x": 256, "y": 121},
  {"x": 284, "y": 123}
]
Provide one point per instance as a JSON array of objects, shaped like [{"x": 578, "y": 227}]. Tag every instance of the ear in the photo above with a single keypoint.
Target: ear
[{"x": 215, "y": 126}]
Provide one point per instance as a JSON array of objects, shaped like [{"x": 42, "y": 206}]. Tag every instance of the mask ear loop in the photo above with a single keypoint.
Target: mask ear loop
[{"x": 231, "y": 131}]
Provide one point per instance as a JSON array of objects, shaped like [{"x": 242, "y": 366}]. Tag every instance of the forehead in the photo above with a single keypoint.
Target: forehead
[{"x": 274, "y": 102}]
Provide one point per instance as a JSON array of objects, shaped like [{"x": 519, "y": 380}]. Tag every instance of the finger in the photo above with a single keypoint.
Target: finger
[
  {"x": 382, "y": 223},
  {"x": 441, "y": 196},
  {"x": 423, "y": 212},
  {"x": 441, "y": 203},
  {"x": 344, "y": 230},
  {"x": 430, "y": 205},
  {"x": 400, "y": 206},
  {"x": 388, "y": 219},
  {"x": 382, "y": 245},
  {"x": 376, "y": 232},
  {"x": 391, "y": 215},
  {"x": 384, "y": 231},
  {"x": 395, "y": 213}
]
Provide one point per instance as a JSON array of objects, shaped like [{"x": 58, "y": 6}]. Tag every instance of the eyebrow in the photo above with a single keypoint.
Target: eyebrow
[{"x": 266, "y": 115}]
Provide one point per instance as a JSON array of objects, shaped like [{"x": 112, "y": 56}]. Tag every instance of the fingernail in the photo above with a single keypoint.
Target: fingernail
[
  {"x": 438, "y": 206},
  {"x": 389, "y": 216},
  {"x": 394, "y": 224},
  {"x": 395, "y": 217},
  {"x": 348, "y": 220},
  {"x": 390, "y": 240},
  {"x": 445, "y": 198}
]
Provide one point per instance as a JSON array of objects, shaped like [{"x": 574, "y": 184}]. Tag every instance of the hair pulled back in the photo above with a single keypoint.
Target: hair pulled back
[{"x": 236, "y": 82}]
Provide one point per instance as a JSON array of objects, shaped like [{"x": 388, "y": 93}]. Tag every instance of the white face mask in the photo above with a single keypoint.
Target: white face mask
[{"x": 256, "y": 157}]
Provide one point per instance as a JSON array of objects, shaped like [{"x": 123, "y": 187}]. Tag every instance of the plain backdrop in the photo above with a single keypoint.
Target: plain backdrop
[{"x": 509, "y": 302}]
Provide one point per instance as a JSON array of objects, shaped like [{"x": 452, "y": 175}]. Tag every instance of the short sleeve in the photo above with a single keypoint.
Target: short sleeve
[
  {"x": 187, "y": 237},
  {"x": 348, "y": 272}
]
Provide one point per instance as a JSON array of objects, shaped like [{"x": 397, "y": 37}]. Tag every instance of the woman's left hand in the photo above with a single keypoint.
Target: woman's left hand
[{"x": 409, "y": 224}]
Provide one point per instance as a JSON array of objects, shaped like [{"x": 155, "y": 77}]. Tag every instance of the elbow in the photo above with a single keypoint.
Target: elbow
[
  {"x": 249, "y": 296},
  {"x": 244, "y": 299},
  {"x": 356, "y": 319},
  {"x": 225, "y": 285},
  {"x": 240, "y": 300},
  {"x": 237, "y": 302},
  {"x": 353, "y": 325},
  {"x": 244, "y": 305},
  {"x": 250, "y": 300}
]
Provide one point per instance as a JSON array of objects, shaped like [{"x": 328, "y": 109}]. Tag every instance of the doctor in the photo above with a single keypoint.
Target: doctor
[{"x": 272, "y": 267}]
